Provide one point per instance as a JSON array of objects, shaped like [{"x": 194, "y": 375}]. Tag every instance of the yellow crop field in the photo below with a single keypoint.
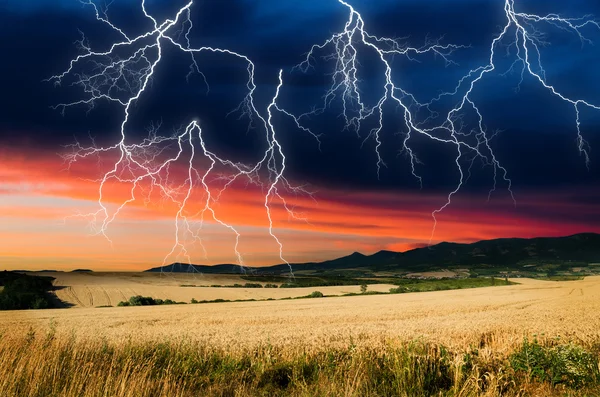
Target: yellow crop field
[
  {"x": 464, "y": 341},
  {"x": 455, "y": 318},
  {"x": 108, "y": 289}
]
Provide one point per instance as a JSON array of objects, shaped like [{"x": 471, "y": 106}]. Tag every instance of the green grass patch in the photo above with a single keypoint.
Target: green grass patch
[
  {"x": 412, "y": 285},
  {"x": 564, "y": 278},
  {"x": 313, "y": 281}
]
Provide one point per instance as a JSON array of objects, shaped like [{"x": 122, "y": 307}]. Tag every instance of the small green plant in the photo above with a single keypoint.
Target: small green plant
[
  {"x": 315, "y": 294},
  {"x": 40, "y": 303},
  {"x": 363, "y": 288},
  {"x": 563, "y": 364}
]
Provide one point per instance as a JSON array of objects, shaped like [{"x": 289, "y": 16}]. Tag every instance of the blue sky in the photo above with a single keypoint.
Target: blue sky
[
  {"x": 40, "y": 37},
  {"x": 535, "y": 133}
]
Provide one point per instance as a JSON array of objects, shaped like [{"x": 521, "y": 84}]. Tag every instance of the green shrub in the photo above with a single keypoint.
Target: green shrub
[
  {"x": 316, "y": 294},
  {"x": 25, "y": 292},
  {"x": 252, "y": 285},
  {"x": 40, "y": 303},
  {"x": 564, "y": 364},
  {"x": 139, "y": 300}
]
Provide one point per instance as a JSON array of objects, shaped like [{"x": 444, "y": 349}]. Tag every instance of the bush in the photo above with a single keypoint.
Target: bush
[
  {"x": 253, "y": 285},
  {"x": 567, "y": 364},
  {"x": 316, "y": 294},
  {"x": 25, "y": 292},
  {"x": 271, "y": 286},
  {"x": 40, "y": 303},
  {"x": 139, "y": 300}
]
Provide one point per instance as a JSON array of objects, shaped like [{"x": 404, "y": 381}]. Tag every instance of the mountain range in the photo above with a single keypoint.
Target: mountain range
[{"x": 506, "y": 253}]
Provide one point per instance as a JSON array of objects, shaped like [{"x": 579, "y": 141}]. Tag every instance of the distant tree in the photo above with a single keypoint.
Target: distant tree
[{"x": 363, "y": 288}]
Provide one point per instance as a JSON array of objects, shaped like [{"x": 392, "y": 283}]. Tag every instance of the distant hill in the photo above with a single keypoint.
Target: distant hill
[
  {"x": 187, "y": 268},
  {"x": 81, "y": 271},
  {"x": 548, "y": 253}
]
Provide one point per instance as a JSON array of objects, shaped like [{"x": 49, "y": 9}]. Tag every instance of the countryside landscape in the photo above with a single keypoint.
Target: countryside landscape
[
  {"x": 351, "y": 326},
  {"x": 284, "y": 198}
]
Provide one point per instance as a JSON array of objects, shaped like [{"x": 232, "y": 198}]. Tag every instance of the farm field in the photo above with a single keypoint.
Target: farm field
[
  {"x": 454, "y": 318},
  {"x": 537, "y": 338},
  {"x": 108, "y": 289}
]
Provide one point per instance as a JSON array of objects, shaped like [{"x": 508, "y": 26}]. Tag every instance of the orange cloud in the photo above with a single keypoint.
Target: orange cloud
[{"x": 37, "y": 193}]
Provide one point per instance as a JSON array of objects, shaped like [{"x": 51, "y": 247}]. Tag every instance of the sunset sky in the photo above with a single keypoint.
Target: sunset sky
[{"x": 43, "y": 200}]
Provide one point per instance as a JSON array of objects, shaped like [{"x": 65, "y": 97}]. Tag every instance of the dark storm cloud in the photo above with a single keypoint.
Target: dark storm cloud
[{"x": 537, "y": 143}]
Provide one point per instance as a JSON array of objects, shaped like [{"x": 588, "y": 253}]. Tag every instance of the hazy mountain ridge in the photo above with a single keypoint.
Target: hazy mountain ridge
[{"x": 505, "y": 252}]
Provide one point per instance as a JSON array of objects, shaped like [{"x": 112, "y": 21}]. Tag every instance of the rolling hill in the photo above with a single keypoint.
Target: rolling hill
[{"x": 549, "y": 254}]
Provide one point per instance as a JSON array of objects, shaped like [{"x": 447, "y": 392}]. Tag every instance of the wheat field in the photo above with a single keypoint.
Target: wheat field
[
  {"x": 470, "y": 342},
  {"x": 569, "y": 309},
  {"x": 108, "y": 289}
]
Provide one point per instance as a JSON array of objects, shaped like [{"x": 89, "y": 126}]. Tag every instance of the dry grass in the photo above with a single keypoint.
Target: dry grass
[
  {"x": 48, "y": 365},
  {"x": 356, "y": 346}
]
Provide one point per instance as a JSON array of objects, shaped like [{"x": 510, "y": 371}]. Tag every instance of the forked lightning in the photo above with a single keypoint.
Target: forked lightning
[{"x": 122, "y": 73}]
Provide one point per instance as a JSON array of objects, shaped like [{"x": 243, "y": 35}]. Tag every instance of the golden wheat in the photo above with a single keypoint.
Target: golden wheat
[
  {"x": 455, "y": 318},
  {"x": 357, "y": 345},
  {"x": 108, "y": 289}
]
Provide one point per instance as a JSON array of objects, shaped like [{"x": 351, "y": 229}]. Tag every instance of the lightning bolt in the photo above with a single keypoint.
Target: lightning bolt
[
  {"x": 122, "y": 73},
  {"x": 520, "y": 33}
]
